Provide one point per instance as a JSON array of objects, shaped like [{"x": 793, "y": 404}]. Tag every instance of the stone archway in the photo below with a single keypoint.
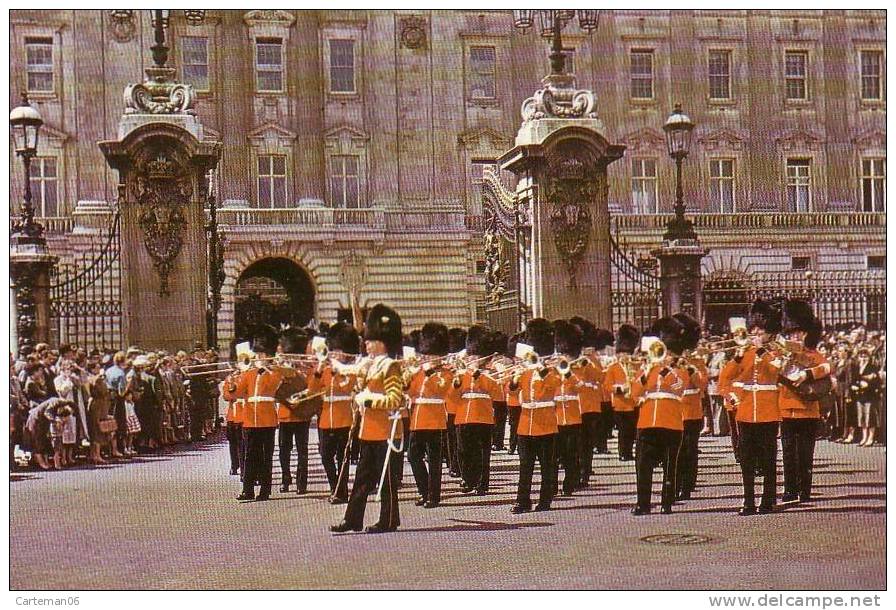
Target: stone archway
[
  {"x": 273, "y": 290},
  {"x": 726, "y": 294}
]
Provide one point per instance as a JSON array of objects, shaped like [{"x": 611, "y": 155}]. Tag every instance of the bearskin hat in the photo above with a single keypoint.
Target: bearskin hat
[
  {"x": 264, "y": 340},
  {"x": 602, "y": 339},
  {"x": 670, "y": 332},
  {"x": 691, "y": 336},
  {"x": 457, "y": 340},
  {"x": 765, "y": 315},
  {"x": 540, "y": 335},
  {"x": 586, "y": 327},
  {"x": 412, "y": 339},
  {"x": 813, "y": 336},
  {"x": 292, "y": 341},
  {"x": 512, "y": 341},
  {"x": 478, "y": 341},
  {"x": 627, "y": 339},
  {"x": 798, "y": 315},
  {"x": 343, "y": 337},
  {"x": 568, "y": 339},
  {"x": 497, "y": 342},
  {"x": 384, "y": 324},
  {"x": 433, "y": 339}
]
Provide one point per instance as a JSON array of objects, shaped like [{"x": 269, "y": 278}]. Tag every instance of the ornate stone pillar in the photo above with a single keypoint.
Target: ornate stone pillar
[
  {"x": 561, "y": 158},
  {"x": 681, "y": 279},
  {"x": 30, "y": 266},
  {"x": 162, "y": 163}
]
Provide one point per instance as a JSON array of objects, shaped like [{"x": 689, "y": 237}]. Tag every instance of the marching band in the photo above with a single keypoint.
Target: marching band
[{"x": 441, "y": 394}]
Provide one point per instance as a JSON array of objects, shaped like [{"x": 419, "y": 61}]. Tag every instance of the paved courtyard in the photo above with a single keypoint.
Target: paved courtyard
[{"x": 172, "y": 522}]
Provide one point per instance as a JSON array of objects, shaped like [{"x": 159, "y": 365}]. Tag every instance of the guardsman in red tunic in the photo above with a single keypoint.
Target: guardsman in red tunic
[
  {"x": 457, "y": 341},
  {"x": 537, "y": 430},
  {"x": 617, "y": 384},
  {"x": 234, "y": 419},
  {"x": 380, "y": 399},
  {"x": 660, "y": 422},
  {"x": 258, "y": 387},
  {"x": 590, "y": 395},
  {"x": 757, "y": 410},
  {"x": 695, "y": 375},
  {"x": 295, "y": 422},
  {"x": 730, "y": 391},
  {"x": 337, "y": 381},
  {"x": 429, "y": 386},
  {"x": 800, "y": 418},
  {"x": 512, "y": 399},
  {"x": 476, "y": 392}
]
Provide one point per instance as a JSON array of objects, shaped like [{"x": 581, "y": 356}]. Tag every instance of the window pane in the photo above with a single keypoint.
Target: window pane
[
  {"x": 279, "y": 165},
  {"x": 269, "y": 81},
  {"x": 268, "y": 54},
  {"x": 279, "y": 197},
  {"x": 351, "y": 192},
  {"x": 264, "y": 192},
  {"x": 50, "y": 199},
  {"x": 195, "y": 50},
  {"x": 342, "y": 66},
  {"x": 337, "y": 191},
  {"x": 719, "y": 74},
  {"x": 351, "y": 166},
  {"x": 482, "y": 72},
  {"x": 264, "y": 165},
  {"x": 40, "y": 81}
]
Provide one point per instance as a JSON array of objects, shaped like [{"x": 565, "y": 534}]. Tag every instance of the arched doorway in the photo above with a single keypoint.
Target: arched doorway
[
  {"x": 272, "y": 291},
  {"x": 724, "y": 296}
]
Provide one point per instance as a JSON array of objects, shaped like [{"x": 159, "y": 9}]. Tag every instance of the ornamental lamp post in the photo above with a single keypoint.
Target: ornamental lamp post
[
  {"x": 680, "y": 254},
  {"x": 30, "y": 263},
  {"x": 552, "y": 22}
]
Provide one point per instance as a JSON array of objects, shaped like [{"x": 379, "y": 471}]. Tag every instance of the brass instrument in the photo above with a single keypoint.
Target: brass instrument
[
  {"x": 530, "y": 360},
  {"x": 656, "y": 352}
]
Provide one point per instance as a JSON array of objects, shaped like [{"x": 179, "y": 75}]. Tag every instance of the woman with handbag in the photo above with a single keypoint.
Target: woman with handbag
[{"x": 99, "y": 421}]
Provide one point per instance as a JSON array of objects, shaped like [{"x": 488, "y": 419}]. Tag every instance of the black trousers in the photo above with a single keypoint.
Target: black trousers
[
  {"x": 626, "y": 422},
  {"x": 500, "y": 425},
  {"x": 259, "y": 460},
  {"x": 656, "y": 446},
  {"x": 294, "y": 432},
  {"x": 475, "y": 448},
  {"x": 798, "y": 452},
  {"x": 234, "y": 440},
  {"x": 513, "y": 419},
  {"x": 449, "y": 447},
  {"x": 425, "y": 456},
  {"x": 331, "y": 445},
  {"x": 758, "y": 447},
  {"x": 371, "y": 456},
  {"x": 197, "y": 424},
  {"x": 244, "y": 451},
  {"x": 686, "y": 477},
  {"x": 543, "y": 449},
  {"x": 604, "y": 428},
  {"x": 591, "y": 427},
  {"x": 735, "y": 433},
  {"x": 569, "y": 452},
  {"x": 355, "y": 449}
]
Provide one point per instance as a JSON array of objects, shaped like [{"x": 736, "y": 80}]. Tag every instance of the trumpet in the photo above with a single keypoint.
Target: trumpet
[
  {"x": 217, "y": 368},
  {"x": 656, "y": 352},
  {"x": 530, "y": 360}
]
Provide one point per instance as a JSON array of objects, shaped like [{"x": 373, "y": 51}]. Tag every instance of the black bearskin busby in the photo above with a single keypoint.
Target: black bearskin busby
[
  {"x": 497, "y": 343},
  {"x": 798, "y": 315},
  {"x": 627, "y": 339},
  {"x": 264, "y": 340},
  {"x": 384, "y": 324},
  {"x": 343, "y": 337},
  {"x": 602, "y": 339},
  {"x": 765, "y": 315},
  {"x": 540, "y": 335},
  {"x": 691, "y": 336},
  {"x": 510, "y": 349},
  {"x": 457, "y": 340},
  {"x": 587, "y": 328},
  {"x": 433, "y": 339},
  {"x": 568, "y": 339},
  {"x": 412, "y": 339},
  {"x": 478, "y": 341},
  {"x": 293, "y": 340},
  {"x": 670, "y": 332}
]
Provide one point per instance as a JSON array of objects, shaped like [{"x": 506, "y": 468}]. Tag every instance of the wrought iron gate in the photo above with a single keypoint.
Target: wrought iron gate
[
  {"x": 85, "y": 290},
  {"x": 637, "y": 298}
]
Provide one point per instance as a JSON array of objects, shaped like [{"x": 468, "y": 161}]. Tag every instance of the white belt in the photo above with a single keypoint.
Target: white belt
[
  {"x": 257, "y": 399},
  {"x": 337, "y": 398},
  {"x": 239, "y": 402},
  {"x": 738, "y": 384},
  {"x": 565, "y": 398},
  {"x": 662, "y": 396},
  {"x": 760, "y": 387},
  {"x": 538, "y": 404},
  {"x": 588, "y": 384},
  {"x": 429, "y": 401},
  {"x": 474, "y": 395},
  {"x": 691, "y": 392}
]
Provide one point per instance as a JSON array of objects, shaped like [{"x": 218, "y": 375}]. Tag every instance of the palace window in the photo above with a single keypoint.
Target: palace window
[
  {"x": 269, "y": 64},
  {"x": 39, "y": 64},
  {"x": 719, "y": 74},
  {"x": 874, "y": 185},
  {"x": 345, "y": 187},
  {"x": 872, "y": 75},
  {"x": 721, "y": 185},
  {"x": 795, "y": 75},
  {"x": 271, "y": 181},
  {"x": 644, "y": 186},
  {"x": 482, "y": 73},
  {"x": 799, "y": 185},
  {"x": 641, "y": 71},
  {"x": 44, "y": 186},
  {"x": 194, "y": 61},
  {"x": 800, "y": 263},
  {"x": 342, "y": 65},
  {"x": 876, "y": 262}
]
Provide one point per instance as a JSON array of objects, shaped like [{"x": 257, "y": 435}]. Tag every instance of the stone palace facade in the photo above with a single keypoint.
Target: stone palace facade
[{"x": 354, "y": 142}]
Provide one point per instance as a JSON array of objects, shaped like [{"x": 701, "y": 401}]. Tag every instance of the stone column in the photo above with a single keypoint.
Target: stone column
[
  {"x": 681, "y": 281},
  {"x": 30, "y": 266},
  {"x": 561, "y": 156}
]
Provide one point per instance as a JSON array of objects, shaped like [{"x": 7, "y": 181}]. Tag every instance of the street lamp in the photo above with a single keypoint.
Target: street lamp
[
  {"x": 679, "y": 129},
  {"x": 552, "y": 22},
  {"x": 25, "y": 123}
]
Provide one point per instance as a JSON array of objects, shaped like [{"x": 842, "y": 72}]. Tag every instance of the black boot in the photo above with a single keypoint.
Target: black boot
[{"x": 344, "y": 526}]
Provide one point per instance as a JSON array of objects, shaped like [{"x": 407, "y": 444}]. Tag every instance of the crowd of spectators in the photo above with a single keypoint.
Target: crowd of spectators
[{"x": 69, "y": 406}]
